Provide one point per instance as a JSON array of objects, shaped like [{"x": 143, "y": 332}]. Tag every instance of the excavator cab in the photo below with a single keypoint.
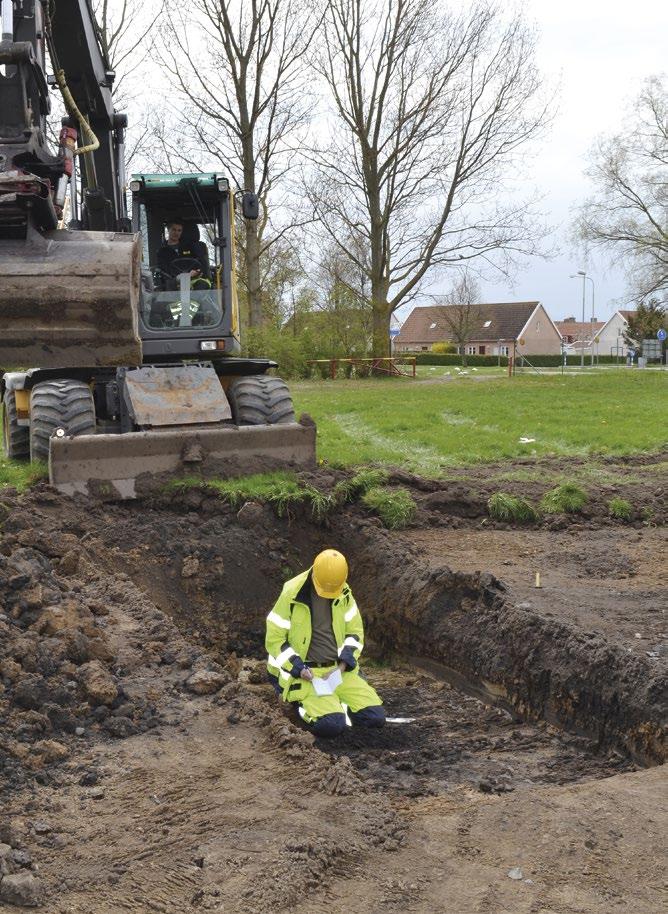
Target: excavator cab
[{"x": 187, "y": 287}]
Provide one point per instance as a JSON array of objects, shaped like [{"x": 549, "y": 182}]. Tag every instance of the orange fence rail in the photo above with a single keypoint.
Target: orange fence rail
[{"x": 366, "y": 367}]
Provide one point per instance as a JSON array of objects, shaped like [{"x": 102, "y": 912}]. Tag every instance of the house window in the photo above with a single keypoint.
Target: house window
[
  {"x": 470, "y": 350},
  {"x": 424, "y": 348},
  {"x": 481, "y": 351},
  {"x": 502, "y": 350},
  {"x": 432, "y": 326},
  {"x": 537, "y": 326},
  {"x": 487, "y": 324}
]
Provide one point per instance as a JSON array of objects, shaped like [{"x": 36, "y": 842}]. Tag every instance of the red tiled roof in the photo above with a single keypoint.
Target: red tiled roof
[
  {"x": 505, "y": 322},
  {"x": 579, "y": 331}
]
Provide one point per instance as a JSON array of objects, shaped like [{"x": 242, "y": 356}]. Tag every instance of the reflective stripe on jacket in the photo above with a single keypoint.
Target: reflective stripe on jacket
[{"x": 289, "y": 629}]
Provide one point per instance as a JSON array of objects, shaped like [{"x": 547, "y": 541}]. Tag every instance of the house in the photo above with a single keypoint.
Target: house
[
  {"x": 502, "y": 328},
  {"x": 578, "y": 335},
  {"x": 607, "y": 336}
]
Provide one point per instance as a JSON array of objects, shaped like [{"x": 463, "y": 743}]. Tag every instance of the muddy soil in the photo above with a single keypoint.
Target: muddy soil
[{"x": 146, "y": 766}]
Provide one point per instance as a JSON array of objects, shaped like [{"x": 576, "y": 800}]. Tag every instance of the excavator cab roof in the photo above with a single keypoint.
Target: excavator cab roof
[{"x": 208, "y": 185}]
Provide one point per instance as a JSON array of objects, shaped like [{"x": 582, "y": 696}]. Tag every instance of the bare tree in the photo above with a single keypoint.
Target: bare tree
[
  {"x": 460, "y": 314},
  {"x": 237, "y": 71},
  {"x": 628, "y": 216},
  {"x": 343, "y": 293},
  {"x": 430, "y": 110},
  {"x": 126, "y": 31}
]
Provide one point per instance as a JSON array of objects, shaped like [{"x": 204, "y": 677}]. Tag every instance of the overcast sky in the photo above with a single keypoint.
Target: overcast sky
[{"x": 599, "y": 52}]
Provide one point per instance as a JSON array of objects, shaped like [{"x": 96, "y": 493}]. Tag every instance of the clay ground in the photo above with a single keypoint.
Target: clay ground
[{"x": 163, "y": 799}]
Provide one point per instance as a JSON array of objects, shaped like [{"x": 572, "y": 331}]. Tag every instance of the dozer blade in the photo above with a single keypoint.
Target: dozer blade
[
  {"x": 138, "y": 463},
  {"x": 69, "y": 299}
]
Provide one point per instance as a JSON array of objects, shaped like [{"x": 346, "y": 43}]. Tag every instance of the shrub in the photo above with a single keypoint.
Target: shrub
[
  {"x": 620, "y": 508},
  {"x": 564, "y": 499},
  {"x": 502, "y": 506},
  {"x": 395, "y": 507},
  {"x": 289, "y": 351},
  {"x": 444, "y": 348}
]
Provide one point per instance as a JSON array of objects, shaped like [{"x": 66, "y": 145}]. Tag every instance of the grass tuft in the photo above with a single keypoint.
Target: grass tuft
[
  {"x": 395, "y": 507},
  {"x": 564, "y": 499},
  {"x": 359, "y": 484},
  {"x": 282, "y": 490},
  {"x": 620, "y": 508},
  {"x": 21, "y": 475},
  {"x": 277, "y": 487},
  {"x": 502, "y": 506}
]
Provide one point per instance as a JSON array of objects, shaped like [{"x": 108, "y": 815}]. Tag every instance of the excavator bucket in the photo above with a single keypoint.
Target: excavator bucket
[
  {"x": 69, "y": 300},
  {"x": 115, "y": 467}
]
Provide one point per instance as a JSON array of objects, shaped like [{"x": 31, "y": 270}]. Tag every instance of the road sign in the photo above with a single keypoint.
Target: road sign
[
  {"x": 394, "y": 332},
  {"x": 522, "y": 341},
  {"x": 651, "y": 349},
  {"x": 661, "y": 334}
]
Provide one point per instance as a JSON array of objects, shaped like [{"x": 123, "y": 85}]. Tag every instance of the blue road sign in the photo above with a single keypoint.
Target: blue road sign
[
  {"x": 661, "y": 334},
  {"x": 393, "y": 332}
]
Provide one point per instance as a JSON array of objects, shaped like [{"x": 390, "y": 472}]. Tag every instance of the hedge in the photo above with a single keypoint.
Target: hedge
[
  {"x": 434, "y": 358},
  {"x": 538, "y": 361}
]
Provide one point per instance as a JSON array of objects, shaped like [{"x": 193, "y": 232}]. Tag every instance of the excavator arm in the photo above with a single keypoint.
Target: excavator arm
[{"x": 68, "y": 296}]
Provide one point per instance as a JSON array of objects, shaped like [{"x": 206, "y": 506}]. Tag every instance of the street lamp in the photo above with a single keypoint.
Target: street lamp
[{"x": 584, "y": 276}]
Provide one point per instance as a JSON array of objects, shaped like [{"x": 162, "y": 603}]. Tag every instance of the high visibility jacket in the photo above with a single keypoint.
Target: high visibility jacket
[{"x": 289, "y": 629}]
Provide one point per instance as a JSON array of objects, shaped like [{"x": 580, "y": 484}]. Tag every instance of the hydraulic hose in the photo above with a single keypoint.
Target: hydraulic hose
[{"x": 72, "y": 109}]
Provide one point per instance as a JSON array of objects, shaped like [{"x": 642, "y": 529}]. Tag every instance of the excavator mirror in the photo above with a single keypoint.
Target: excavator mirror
[{"x": 250, "y": 205}]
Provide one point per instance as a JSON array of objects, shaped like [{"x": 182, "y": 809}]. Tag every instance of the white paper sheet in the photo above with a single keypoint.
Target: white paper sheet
[{"x": 329, "y": 685}]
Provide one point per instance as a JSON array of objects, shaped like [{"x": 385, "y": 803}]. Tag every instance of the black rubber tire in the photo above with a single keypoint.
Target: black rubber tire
[
  {"x": 63, "y": 404},
  {"x": 260, "y": 400},
  {"x": 15, "y": 437}
]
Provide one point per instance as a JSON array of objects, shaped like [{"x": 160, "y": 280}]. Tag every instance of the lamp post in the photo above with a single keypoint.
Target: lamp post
[
  {"x": 584, "y": 276},
  {"x": 593, "y": 315}
]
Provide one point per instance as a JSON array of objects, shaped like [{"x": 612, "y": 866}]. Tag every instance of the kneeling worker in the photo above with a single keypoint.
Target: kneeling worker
[{"x": 314, "y": 631}]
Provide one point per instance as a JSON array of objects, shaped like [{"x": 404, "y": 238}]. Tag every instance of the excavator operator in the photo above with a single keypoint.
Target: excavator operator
[{"x": 183, "y": 252}]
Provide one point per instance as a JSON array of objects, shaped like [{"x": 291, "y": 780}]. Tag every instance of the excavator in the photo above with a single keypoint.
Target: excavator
[{"x": 119, "y": 347}]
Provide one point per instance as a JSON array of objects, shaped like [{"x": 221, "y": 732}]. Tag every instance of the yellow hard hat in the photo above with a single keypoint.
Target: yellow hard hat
[{"x": 330, "y": 571}]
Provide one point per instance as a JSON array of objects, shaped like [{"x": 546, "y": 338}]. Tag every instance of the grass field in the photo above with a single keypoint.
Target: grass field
[
  {"x": 427, "y": 427},
  {"x": 435, "y": 424}
]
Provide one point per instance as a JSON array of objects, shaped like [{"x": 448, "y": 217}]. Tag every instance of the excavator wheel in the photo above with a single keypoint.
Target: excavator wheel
[
  {"x": 65, "y": 404},
  {"x": 260, "y": 400},
  {"x": 15, "y": 437}
]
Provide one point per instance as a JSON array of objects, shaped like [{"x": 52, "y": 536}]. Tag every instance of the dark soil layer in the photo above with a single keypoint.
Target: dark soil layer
[{"x": 439, "y": 738}]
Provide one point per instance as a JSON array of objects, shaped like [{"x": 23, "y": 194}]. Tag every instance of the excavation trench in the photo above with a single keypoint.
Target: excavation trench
[
  {"x": 486, "y": 693},
  {"x": 143, "y": 752}
]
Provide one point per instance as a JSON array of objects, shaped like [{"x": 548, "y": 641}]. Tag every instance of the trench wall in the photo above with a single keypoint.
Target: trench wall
[{"x": 545, "y": 669}]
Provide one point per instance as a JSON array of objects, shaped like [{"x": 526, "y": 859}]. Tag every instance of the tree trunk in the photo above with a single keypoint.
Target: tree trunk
[
  {"x": 381, "y": 329},
  {"x": 462, "y": 351}
]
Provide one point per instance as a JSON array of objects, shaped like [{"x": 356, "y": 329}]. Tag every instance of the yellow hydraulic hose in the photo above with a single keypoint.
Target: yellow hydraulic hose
[{"x": 71, "y": 105}]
